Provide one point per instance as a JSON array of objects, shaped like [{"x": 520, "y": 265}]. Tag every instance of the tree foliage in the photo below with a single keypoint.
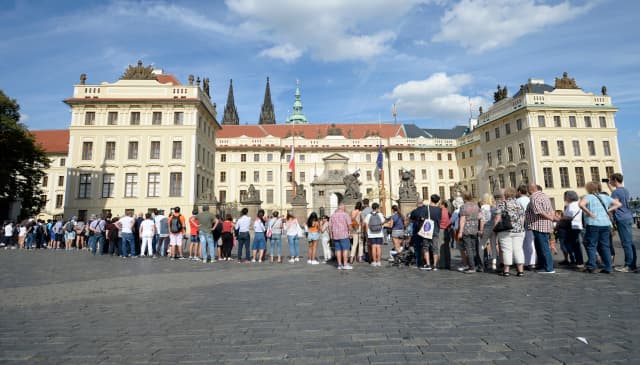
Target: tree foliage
[{"x": 22, "y": 161}]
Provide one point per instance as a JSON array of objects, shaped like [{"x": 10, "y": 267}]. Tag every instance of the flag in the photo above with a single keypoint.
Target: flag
[
  {"x": 379, "y": 160},
  {"x": 292, "y": 160}
]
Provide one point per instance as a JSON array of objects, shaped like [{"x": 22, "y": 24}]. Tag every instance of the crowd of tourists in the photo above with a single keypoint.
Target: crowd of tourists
[{"x": 514, "y": 228}]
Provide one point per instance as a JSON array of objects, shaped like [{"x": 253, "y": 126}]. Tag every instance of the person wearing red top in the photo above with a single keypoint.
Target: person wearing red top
[
  {"x": 445, "y": 227},
  {"x": 194, "y": 246},
  {"x": 227, "y": 237}
]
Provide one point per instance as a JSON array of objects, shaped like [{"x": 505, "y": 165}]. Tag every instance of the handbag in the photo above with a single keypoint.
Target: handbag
[
  {"x": 505, "y": 222},
  {"x": 565, "y": 224},
  {"x": 300, "y": 231},
  {"x": 613, "y": 222},
  {"x": 427, "y": 227}
]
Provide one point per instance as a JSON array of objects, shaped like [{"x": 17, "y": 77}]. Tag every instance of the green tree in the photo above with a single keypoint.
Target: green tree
[{"x": 22, "y": 162}]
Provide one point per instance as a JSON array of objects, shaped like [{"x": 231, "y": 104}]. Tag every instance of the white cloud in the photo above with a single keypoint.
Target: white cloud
[
  {"x": 286, "y": 52},
  {"x": 436, "y": 97},
  {"x": 481, "y": 25},
  {"x": 24, "y": 117},
  {"x": 330, "y": 30}
]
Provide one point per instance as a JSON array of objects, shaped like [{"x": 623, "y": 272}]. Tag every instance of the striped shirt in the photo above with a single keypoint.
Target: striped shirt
[
  {"x": 534, "y": 220},
  {"x": 339, "y": 223}
]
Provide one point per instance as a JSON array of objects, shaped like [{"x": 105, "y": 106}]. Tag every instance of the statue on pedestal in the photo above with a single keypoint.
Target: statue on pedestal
[
  {"x": 407, "y": 189},
  {"x": 301, "y": 195},
  {"x": 352, "y": 186}
]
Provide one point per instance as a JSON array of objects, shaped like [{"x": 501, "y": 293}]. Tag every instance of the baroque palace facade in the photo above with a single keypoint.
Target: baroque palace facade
[{"x": 147, "y": 141}]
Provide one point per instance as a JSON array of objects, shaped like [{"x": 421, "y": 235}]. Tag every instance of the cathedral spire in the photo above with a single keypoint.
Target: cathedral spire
[
  {"x": 267, "y": 114},
  {"x": 230, "y": 111},
  {"x": 297, "y": 117}
]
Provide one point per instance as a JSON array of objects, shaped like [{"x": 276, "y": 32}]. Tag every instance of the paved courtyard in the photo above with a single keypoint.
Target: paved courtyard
[{"x": 73, "y": 308}]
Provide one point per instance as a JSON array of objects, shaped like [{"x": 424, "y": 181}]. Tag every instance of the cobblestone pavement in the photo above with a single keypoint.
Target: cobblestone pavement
[{"x": 73, "y": 308}]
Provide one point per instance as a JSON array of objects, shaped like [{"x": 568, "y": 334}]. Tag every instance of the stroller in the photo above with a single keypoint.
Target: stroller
[{"x": 407, "y": 256}]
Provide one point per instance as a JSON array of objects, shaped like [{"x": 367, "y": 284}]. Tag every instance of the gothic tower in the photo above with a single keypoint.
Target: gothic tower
[
  {"x": 267, "y": 114},
  {"x": 230, "y": 111}
]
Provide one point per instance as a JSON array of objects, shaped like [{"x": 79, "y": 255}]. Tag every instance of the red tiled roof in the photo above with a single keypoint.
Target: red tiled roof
[
  {"x": 165, "y": 79},
  {"x": 53, "y": 141},
  {"x": 358, "y": 130}
]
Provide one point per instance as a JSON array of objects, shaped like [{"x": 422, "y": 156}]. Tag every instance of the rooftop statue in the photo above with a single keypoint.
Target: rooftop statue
[
  {"x": 604, "y": 90},
  {"x": 138, "y": 72},
  {"x": 565, "y": 82}
]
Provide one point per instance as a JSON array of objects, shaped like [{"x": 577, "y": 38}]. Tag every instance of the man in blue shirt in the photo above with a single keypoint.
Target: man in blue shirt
[{"x": 624, "y": 222}]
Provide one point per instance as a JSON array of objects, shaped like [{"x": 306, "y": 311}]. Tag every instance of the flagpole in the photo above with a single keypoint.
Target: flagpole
[{"x": 383, "y": 194}]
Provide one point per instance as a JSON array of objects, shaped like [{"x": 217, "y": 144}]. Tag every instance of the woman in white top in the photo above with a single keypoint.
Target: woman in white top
[
  {"x": 259, "y": 240},
  {"x": 22, "y": 234},
  {"x": 147, "y": 231},
  {"x": 573, "y": 213},
  {"x": 324, "y": 238},
  {"x": 275, "y": 240},
  {"x": 292, "y": 227}
]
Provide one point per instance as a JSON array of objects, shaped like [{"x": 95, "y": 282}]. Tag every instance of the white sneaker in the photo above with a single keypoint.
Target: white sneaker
[
  {"x": 347, "y": 267},
  {"x": 204, "y": 261},
  {"x": 291, "y": 261},
  {"x": 297, "y": 259},
  {"x": 253, "y": 260},
  {"x": 314, "y": 262},
  {"x": 309, "y": 262},
  {"x": 463, "y": 268}
]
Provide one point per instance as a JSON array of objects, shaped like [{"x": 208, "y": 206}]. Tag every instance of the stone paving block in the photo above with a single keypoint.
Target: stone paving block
[{"x": 161, "y": 312}]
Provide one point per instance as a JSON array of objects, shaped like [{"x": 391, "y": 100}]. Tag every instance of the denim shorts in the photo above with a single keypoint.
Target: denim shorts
[
  {"x": 376, "y": 241},
  {"x": 397, "y": 233},
  {"x": 343, "y": 244},
  {"x": 68, "y": 236},
  {"x": 313, "y": 236},
  {"x": 195, "y": 239}
]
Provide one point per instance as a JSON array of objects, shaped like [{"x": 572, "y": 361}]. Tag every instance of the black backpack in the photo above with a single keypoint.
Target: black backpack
[{"x": 175, "y": 226}]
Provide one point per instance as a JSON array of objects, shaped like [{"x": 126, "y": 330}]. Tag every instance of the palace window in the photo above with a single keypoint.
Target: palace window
[
  {"x": 131, "y": 185},
  {"x": 89, "y": 118},
  {"x": 592, "y": 148},
  {"x": 489, "y": 160},
  {"x": 156, "y": 118},
  {"x": 512, "y": 178},
  {"x": 269, "y": 196},
  {"x": 576, "y": 147},
  {"x": 603, "y": 122},
  {"x": 595, "y": 173},
  {"x": 450, "y": 173},
  {"x": 153, "y": 184},
  {"x": 176, "y": 151},
  {"x": 510, "y": 154},
  {"x": 556, "y": 121},
  {"x": 519, "y": 124},
  {"x": 135, "y": 118},
  {"x": 243, "y": 157},
  {"x": 487, "y": 136},
  {"x": 45, "y": 181},
  {"x": 256, "y": 157},
  {"x": 112, "y": 118},
  {"x": 108, "y": 184},
  {"x": 561, "y": 151},
  {"x": 507, "y": 129},
  {"x": 175, "y": 184},
  {"x": 223, "y": 157},
  {"x": 425, "y": 192},
  {"x": 497, "y": 132},
  {"x": 541, "y": 121},
  {"x": 544, "y": 148},
  {"x": 499, "y": 156},
  {"x": 580, "y": 181},
  {"x": 564, "y": 177},
  {"x": 270, "y": 176},
  {"x": 243, "y": 176},
  {"x": 256, "y": 176},
  {"x": 87, "y": 150},
  {"x": 587, "y": 121},
  {"x": 110, "y": 151},
  {"x": 572, "y": 121},
  {"x": 155, "y": 150},
  {"x": 440, "y": 174},
  {"x": 61, "y": 180},
  {"x": 606, "y": 147},
  {"x": 133, "y": 150},
  {"x": 223, "y": 176},
  {"x": 548, "y": 177},
  {"x": 59, "y": 199},
  {"x": 84, "y": 187},
  {"x": 178, "y": 118}
]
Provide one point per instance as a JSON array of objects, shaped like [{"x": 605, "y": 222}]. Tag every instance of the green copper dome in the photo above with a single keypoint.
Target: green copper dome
[{"x": 297, "y": 117}]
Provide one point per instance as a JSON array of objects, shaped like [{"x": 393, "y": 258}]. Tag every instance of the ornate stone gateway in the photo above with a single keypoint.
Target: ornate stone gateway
[{"x": 330, "y": 188}]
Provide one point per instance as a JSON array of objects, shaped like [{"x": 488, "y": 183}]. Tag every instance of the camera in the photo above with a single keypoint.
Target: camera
[{"x": 606, "y": 181}]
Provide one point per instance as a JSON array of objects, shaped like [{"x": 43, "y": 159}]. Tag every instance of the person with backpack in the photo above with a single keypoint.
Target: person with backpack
[
  {"x": 176, "y": 234},
  {"x": 373, "y": 223},
  {"x": 97, "y": 242},
  {"x": 58, "y": 233},
  {"x": 113, "y": 236},
  {"x": 69, "y": 233}
]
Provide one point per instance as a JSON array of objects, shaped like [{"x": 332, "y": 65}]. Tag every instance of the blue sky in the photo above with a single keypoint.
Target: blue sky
[{"x": 354, "y": 58}]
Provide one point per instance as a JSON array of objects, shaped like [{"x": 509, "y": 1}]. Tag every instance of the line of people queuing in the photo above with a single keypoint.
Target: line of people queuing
[
  {"x": 519, "y": 227},
  {"x": 514, "y": 227}
]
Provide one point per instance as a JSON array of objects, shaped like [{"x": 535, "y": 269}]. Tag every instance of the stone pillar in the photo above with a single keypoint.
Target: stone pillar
[
  {"x": 406, "y": 206},
  {"x": 252, "y": 206},
  {"x": 299, "y": 210}
]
